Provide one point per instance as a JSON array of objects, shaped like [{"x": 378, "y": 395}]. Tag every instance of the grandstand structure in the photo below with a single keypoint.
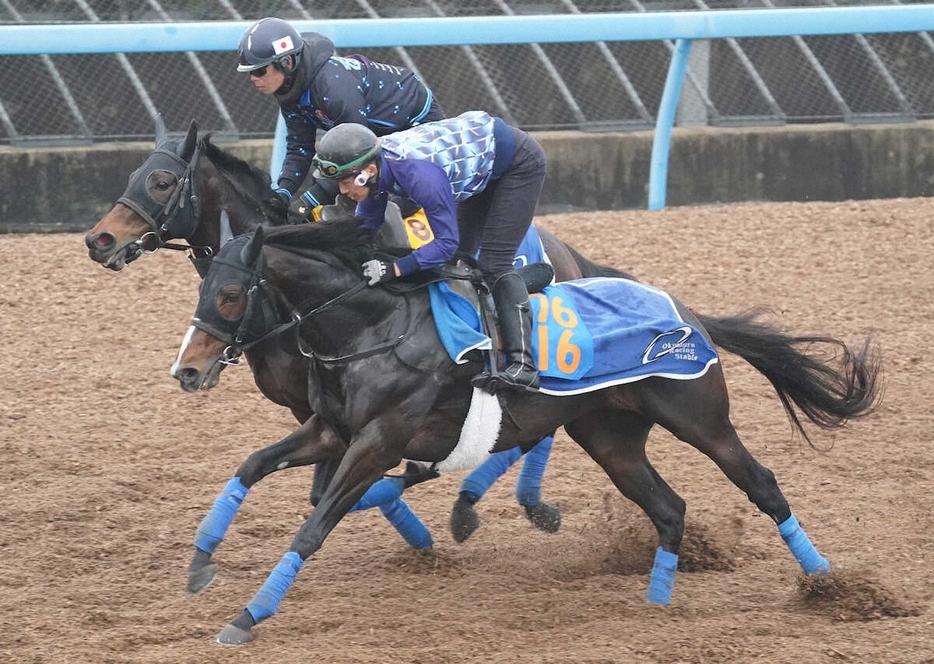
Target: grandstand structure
[{"x": 589, "y": 86}]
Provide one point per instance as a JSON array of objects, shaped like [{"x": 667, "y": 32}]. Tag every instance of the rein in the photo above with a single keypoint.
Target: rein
[
  {"x": 298, "y": 319},
  {"x": 237, "y": 346}
]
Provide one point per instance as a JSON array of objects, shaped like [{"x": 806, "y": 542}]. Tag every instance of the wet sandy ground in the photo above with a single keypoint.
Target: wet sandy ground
[{"x": 110, "y": 467}]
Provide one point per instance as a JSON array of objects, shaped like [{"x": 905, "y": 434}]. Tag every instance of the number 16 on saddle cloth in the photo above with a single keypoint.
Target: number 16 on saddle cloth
[{"x": 593, "y": 333}]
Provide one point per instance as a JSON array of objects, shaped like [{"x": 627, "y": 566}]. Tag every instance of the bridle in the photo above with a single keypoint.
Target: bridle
[
  {"x": 178, "y": 217},
  {"x": 260, "y": 321}
]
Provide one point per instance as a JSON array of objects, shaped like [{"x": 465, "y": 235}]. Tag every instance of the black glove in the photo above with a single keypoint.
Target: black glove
[
  {"x": 303, "y": 208},
  {"x": 378, "y": 271},
  {"x": 301, "y": 211},
  {"x": 279, "y": 205}
]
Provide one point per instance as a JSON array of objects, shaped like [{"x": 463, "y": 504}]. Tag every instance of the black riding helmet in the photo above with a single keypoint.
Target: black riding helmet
[
  {"x": 344, "y": 151},
  {"x": 269, "y": 41}
]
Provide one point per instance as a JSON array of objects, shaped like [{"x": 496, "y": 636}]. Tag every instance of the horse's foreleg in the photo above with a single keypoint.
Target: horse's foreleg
[
  {"x": 544, "y": 516},
  {"x": 367, "y": 458},
  {"x": 308, "y": 444},
  {"x": 616, "y": 441},
  {"x": 324, "y": 472},
  {"x": 386, "y": 494},
  {"x": 464, "y": 519}
]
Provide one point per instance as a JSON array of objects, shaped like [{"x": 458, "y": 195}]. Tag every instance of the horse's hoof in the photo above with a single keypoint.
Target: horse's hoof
[
  {"x": 234, "y": 636},
  {"x": 464, "y": 520},
  {"x": 544, "y": 517},
  {"x": 201, "y": 578}
]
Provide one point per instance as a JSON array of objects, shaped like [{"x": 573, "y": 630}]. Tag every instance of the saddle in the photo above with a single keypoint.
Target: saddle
[
  {"x": 465, "y": 280},
  {"x": 461, "y": 275}
]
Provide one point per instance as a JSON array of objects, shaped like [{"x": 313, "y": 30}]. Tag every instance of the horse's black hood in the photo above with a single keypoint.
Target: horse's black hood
[{"x": 318, "y": 49}]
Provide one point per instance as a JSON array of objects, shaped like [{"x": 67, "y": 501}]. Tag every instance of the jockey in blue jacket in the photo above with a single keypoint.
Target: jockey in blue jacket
[
  {"x": 478, "y": 180},
  {"x": 317, "y": 89}
]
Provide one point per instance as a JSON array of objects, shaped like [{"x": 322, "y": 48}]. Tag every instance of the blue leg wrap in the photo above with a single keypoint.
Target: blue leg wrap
[
  {"x": 801, "y": 548},
  {"x": 213, "y": 527},
  {"x": 409, "y": 526},
  {"x": 383, "y": 492},
  {"x": 266, "y": 601},
  {"x": 529, "y": 486},
  {"x": 482, "y": 477},
  {"x": 662, "y": 580}
]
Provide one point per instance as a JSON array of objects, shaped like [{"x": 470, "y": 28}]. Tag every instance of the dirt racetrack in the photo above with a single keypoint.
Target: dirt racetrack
[{"x": 110, "y": 467}]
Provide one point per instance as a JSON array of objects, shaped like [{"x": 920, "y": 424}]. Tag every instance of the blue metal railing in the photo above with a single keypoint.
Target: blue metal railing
[{"x": 684, "y": 27}]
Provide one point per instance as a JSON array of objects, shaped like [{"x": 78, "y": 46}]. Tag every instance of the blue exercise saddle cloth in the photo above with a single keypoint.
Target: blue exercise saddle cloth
[{"x": 588, "y": 334}]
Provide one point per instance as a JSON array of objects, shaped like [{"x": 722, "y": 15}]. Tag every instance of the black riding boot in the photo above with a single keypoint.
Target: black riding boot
[{"x": 515, "y": 325}]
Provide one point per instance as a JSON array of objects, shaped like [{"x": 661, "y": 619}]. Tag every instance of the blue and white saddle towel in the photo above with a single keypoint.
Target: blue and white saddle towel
[{"x": 589, "y": 334}]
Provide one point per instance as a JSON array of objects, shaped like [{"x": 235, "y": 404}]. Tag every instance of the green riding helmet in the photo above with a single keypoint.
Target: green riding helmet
[{"x": 344, "y": 151}]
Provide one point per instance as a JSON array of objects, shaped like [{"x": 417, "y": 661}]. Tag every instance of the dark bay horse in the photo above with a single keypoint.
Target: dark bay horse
[
  {"x": 385, "y": 386},
  {"x": 189, "y": 189}
]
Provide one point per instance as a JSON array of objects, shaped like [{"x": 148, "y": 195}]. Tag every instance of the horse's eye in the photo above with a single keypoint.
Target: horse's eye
[
  {"x": 160, "y": 184},
  {"x": 231, "y": 301}
]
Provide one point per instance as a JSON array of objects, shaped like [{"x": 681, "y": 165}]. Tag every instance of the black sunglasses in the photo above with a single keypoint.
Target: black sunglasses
[{"x": 259, "y": 73}]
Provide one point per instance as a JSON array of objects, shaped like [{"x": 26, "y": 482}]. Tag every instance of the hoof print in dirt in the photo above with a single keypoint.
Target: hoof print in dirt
[
  {"x": 848, "y": 597},
  {"x": 699, "y": 554}
]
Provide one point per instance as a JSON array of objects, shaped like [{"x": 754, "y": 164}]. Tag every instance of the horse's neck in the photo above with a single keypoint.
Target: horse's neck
[
  {"x": 368, "y": 316},
  {"x": 224, "y": 209}
]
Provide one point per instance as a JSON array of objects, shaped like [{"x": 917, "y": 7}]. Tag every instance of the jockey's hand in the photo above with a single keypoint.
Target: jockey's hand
[
  {"x": 307, "y": 207},
  {"x": 378, "y": 271},
  {"x": 300, "y": 211},
  {"x": 279, "y": 204}
]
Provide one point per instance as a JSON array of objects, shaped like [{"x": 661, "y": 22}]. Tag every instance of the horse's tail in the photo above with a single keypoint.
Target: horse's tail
[{"x": 807, "y": 377}]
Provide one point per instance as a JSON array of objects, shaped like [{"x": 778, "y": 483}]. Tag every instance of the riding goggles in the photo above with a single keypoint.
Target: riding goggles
[{"x": 332, "y": 171}]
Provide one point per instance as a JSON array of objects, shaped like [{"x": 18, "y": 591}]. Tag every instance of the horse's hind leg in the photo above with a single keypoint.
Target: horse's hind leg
[
  {"x": 616, "y": 441},
  {"x": 759, "y": 484},
  {"x": 702, "y": 420}
]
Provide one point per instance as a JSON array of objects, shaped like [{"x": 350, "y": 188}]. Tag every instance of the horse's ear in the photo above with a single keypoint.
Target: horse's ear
[
  {"x": 226, "y": 232},
  {"x": 161, "y": 133},
  {"x": 250, "y": 252},
  {"x": 187, "y": 148}
]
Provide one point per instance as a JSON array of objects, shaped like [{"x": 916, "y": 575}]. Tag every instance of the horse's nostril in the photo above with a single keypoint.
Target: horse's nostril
[
  {"x": 104, "y": 241},
  {"x": 186, "y": 374}
]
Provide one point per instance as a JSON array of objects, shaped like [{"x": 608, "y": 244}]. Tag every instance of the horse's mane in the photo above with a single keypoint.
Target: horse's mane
[
  {"x": 346, "y": 238},
  {"x": 246, "y": 177}
]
